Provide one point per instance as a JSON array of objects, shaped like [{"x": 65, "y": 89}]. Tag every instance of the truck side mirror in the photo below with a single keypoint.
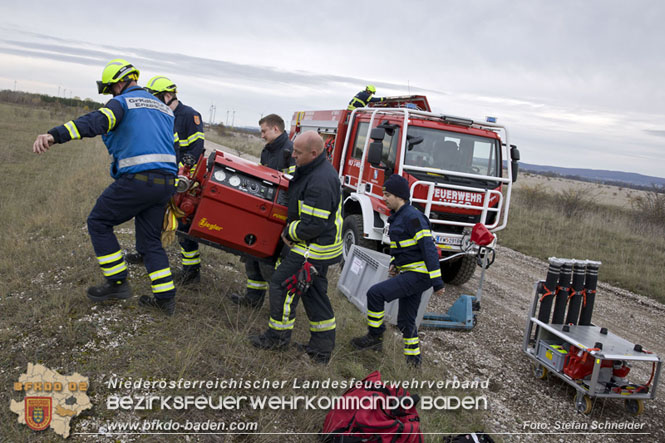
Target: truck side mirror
[
  {"x": 378, "y": 134},
  {"x": 412, "y": 141},
  {"x": 514, "y": 165},
  {"x": 375, "y": 153}
]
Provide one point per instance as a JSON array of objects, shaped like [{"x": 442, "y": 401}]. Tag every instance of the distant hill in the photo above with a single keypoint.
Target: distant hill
[{"x": 597, "y": 175}]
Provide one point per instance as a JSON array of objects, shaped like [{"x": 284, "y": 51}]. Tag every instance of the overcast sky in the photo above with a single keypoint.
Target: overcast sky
[{"x": 577, "y": 83}]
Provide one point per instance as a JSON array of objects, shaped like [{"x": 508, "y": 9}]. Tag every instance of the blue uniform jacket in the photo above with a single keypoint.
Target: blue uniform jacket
[
  {"x": 137, "y": 130},
  {"x": 189, "y": 127},
  {"x": 278, "y": 154},
  {"x": 412, "y": 246},
  {"x": 362, "y": 99}
]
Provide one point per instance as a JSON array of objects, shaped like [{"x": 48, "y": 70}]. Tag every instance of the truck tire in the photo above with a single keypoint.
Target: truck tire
[
  {"x": 352, "y": 234},
  {"x": 460, "y": 271}
]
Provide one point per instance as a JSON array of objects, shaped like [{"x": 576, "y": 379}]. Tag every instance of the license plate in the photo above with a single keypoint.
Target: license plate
[{"x": 450, "y": 241}]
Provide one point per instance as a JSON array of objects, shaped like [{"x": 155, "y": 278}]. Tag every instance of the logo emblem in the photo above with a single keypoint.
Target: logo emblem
[
  {"x": 197, "y": 120},
  {"x": 38, "y": 412}
]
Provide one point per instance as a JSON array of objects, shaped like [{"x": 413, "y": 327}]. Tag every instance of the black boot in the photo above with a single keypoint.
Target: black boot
[
  {"x": 134, "y": 258},
  {"x": 413, "y": 361},
  {"x": 110, "y": 290},
  {"x": 264, "y": 341},
  {"x": 166, "y": 305},
  {"x": 317, "y": 357},
  {"x": 187, "y": 276},
  {"x": 243, "y": 300},
  {"x": 368, "y": 341}
]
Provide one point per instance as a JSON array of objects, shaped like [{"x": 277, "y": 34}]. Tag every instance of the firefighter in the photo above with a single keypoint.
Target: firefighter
[
  {"x": 276, "y": 154},
  {"x": 364, "y": 98},
  {"x": 414, "y": 268},
  {"x": 138, "y": 132},
  {"x": 189, "y": 130},
  {"x": 314, "y": 235}
]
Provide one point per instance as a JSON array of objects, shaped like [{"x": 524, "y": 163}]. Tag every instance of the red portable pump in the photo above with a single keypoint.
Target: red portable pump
[{"x": 234, "y": 204}]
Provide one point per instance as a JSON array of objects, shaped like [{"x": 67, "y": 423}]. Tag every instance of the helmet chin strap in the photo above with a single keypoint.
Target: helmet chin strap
[
  {"x": 127, "y": 82},
  {"x": 171, "y": 101}
]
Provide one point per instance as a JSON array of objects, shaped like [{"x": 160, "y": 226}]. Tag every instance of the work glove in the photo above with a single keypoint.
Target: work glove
[{"x": 301, "y": 281}]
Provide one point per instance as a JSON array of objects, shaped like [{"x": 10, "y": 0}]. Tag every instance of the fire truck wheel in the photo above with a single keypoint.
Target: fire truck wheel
[
  {"x": 634, "y": 407},
  {"x": 583, "y": 404},
  {"x": 539, "y": 371},
  {"x": 352, "y": 234},
  {"x": 459, "y": 271}
]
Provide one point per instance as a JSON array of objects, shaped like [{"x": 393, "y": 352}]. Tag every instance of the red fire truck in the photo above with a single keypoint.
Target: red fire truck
[{"x": 455, "y": 167}]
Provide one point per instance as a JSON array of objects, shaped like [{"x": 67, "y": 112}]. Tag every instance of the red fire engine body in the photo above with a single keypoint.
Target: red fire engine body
[{"x": 454, "y": 167}]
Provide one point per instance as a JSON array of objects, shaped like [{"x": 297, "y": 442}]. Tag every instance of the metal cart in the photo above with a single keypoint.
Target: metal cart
[{"x": 550, "y": 346}]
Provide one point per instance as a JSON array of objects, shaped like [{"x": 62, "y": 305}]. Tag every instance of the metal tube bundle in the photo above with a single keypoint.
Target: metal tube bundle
[
  {"x": 548, "y": 288},
  {"x": 577, "y": 291},
  {"x": 562, "y": 291},
  {"x": 590, "y": 284}
]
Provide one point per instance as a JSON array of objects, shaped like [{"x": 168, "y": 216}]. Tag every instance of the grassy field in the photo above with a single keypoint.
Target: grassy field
[
  {"x": 629, "y": 239},
  {"x": 47, "y": 262}
]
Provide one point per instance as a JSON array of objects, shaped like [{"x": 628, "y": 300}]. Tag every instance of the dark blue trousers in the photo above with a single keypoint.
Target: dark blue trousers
[{"x": 141, "y": 196}]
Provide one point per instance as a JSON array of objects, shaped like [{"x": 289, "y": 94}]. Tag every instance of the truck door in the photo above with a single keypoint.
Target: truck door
[
  {"x": 351, "y": 168},
  {"x": 374, "y": 177}
]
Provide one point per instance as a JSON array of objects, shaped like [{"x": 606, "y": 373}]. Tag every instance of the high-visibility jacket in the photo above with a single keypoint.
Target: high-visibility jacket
[
  {"x": 362, "y": 99},
  {"x": 278, "y": 155},
  {"x": 315, "y": 212},
  {"x": 189, "y": 127},
  {"x": 137, "y": 130},
  {"x": 411, "y": 244}
]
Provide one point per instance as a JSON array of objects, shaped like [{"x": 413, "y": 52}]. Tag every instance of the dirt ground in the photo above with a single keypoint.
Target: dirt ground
[{"x": 493, "y": 349}]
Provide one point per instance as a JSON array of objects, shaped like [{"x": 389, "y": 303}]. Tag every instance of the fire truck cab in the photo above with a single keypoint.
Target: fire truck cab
[{"x": 455, "y": 168}]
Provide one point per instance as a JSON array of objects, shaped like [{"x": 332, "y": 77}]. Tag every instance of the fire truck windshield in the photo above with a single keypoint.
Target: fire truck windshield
[{"x": 454, "y": 151}]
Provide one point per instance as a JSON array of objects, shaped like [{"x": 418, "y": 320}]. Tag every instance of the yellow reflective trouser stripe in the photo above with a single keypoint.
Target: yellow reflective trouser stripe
[
  {"x": 418, "y": 266},
  {"x": 322, "y": 326},
  {"x": 375, "y": 319},
  {"x": 191, "y": 261},
  {"x": 166, "y": 272},
  {"x": 257, "y": 284},
  {"x": 411, "y": 341},
  {"x": 110, "y": 258},
  {"x": 114, "y": 269},
  {"x": 315, "y": 212},
  {"x": 375, "y": 314},
  {"x": 110, "y": 116},
  {"x": 189, "y": 254},
  {"x": 409, "y": 351},
  {"x": 292, "y": 230},
  {"x": 435, "y": 274},
  {"x": 163, "y": 287},
  {"x": 286, "y": 312},
  {"x": 73, "y": 130},
  {"x": 281, "y": 326}
]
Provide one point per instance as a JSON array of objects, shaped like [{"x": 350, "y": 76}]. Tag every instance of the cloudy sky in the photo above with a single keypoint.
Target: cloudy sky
[{"x": 578, "y": 83}]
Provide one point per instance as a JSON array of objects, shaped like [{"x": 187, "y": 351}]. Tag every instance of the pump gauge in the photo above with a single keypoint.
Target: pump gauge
[
  {"x": 234, "y": 180},
  {"x": 219, "y": 175}
]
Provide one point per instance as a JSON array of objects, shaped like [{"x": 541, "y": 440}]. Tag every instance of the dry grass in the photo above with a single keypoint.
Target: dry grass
[
  {"x": 47, "y": 262},
  {"x": 568, "y": 223},
  {"x": 240, "y": 141}
]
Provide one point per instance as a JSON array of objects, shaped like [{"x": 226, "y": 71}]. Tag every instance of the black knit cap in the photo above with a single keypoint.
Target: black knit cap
[{"x": 398, "y": 186}]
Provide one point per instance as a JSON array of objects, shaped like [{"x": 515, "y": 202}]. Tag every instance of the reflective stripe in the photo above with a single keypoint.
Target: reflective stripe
[
  {"x": 73, "y": 130},
  {"x": 406, "y": 243},
  {"x": 435, "y": 274},
  {"x": 289, "y": 170},
  {"x": 146, "y": 158},
  {"x": 418, "y": 266},
  {"x": 375, "y": 314},
  {"x": 257, "y": 284},
  {"x": 110, "y": 116},
  {"x": 411, "y": 341},
  {"x": 176, "y": 139},
  {"x": 292, "y": 230},
  {"x": 286, "y": 310},
  {"x": 281, "y": 326},
  {"x": 411, "y": 241},
  {"x": 115, "y": 269},
  {"x": 409, "y": 351},
  {"x": 189, "y": 254},
  {"x": 374, "y": 323},
  {"x": 319, "y": 252},
  {"x": 315, "y": 212},
  {"x": 168, "y": 286},
  {"x": 109, "y": 258},
  {"x": 166, "y": 272},
  {"x": 422, "y": 234},
  {"x": 322, "y": 326},
  {"x": 191, "y": 261},
  {"x": 192, "y": 138}
]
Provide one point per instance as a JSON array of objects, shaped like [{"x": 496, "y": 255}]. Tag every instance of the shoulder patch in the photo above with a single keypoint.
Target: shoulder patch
[{"x": 197, "y": 120}]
